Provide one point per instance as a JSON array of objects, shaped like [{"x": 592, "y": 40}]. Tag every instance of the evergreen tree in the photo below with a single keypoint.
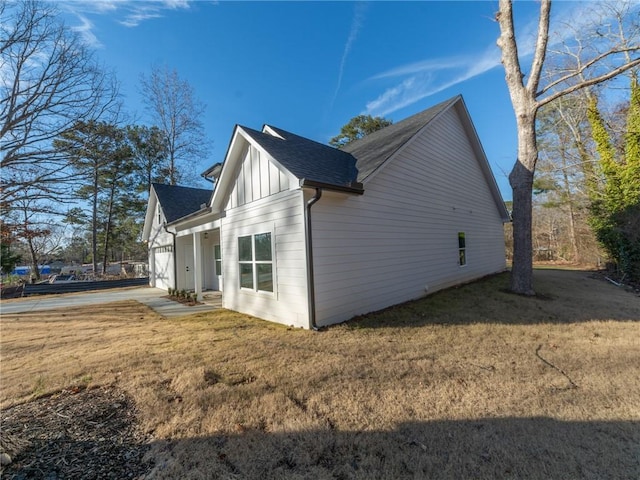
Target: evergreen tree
[
  {"x": 615, "y": 208},
  {"x": 357, "y": 128}
]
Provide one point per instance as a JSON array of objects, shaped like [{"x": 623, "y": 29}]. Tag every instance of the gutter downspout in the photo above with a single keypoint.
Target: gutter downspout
[
  {"x": 311, "y": 293},
  {"x": 175, "y": 258}
]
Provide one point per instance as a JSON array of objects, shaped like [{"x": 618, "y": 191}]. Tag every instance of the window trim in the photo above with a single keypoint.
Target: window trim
[{"x": 254, "y": 264}]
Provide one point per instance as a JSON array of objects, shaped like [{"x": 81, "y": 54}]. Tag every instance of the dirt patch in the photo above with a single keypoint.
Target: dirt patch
[{"x": 77, "y": 433}]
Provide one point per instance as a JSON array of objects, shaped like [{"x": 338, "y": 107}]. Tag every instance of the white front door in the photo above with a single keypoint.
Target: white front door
[{"x": 189, "y": 283}]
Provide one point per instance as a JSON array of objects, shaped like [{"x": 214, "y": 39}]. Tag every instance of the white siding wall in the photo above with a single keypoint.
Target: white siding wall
[
  {"x": 386, "y": 246},
  {"x": 281, "y": 214}
]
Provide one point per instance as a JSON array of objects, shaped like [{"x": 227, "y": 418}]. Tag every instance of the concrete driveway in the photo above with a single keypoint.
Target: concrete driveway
[{"x": 153, "y": 297}]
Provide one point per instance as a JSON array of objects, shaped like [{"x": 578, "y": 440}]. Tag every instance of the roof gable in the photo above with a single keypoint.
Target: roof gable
[
  {"x": 376, "y": 148},
  {"x": 178, "y": 202},
  {"x": 307, "y": 159},
  {"x": 319, "y": 165}
]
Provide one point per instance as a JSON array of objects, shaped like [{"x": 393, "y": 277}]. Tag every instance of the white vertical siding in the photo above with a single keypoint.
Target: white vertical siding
[
  {"x": 257, "y": 178},
  {"x": 281, "y": 214},
  {"x": 401, "y": 237}
]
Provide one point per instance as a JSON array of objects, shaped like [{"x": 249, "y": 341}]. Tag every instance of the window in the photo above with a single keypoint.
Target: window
[
  {"x": 164, "y": 249},
  {"x": 256, "y": 264},
  {"x": 159, "y": 214},
  {"x": 462, "y": 250},
  {"x": 218, "y": 259}
]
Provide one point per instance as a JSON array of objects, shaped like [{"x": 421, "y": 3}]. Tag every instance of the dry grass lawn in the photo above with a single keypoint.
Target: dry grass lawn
[{"x": 471, "y": 382}]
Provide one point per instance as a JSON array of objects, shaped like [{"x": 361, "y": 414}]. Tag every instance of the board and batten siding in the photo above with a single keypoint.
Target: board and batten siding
[
  {"x": 257, "y": 177},
  {"x": 281, "y": 214},
  {"x": 399, "y": 240}
]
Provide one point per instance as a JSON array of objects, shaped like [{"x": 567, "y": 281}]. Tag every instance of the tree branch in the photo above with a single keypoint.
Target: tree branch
[
  {"x": 541, "y": 46},
  {"x": 509, "y": 48},
  {"x": 582, "y": 68},
  {"x": 587, "y": 83}
]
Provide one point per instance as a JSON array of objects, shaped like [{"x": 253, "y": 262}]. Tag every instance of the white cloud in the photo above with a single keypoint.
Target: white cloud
[
  {"x": 136, "y": 18},
  {"x": 129, "y": 13},
  {"x": 423, "y": 78},
  {"x": 85, "y": 30},
  {"x": 429, "y": 77},
  {"x": 173, "y": 4},
  {"x": 356, "y": 25}
]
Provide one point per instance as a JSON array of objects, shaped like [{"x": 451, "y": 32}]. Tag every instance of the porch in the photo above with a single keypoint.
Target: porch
[{"x": 199, "y": 264}]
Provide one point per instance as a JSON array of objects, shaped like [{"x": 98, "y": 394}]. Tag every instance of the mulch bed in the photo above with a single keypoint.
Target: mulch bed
[
  {"x": 184, "y": 301},
  {"x": 74, "y": 434}
]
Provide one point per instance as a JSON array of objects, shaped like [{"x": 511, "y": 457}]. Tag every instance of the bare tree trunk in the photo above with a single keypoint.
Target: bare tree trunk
[
  {"x": 572, "y": 216},
  {"x": 107, "y": 232},
  {"x": 521, "y": 181},
  {"x": 35, "y": 271},
  {"x": 94, "y": 224}
]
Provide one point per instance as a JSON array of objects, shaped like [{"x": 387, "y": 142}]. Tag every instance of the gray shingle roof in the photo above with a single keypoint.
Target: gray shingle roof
[
  {"x": 376, "y": 148},
  {"x": 178, "y": 202},
  {"x": 307, "y": 159}
]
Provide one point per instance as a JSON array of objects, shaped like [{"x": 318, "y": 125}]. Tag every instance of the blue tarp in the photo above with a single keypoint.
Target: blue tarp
[{"x": 44, "y": 270}]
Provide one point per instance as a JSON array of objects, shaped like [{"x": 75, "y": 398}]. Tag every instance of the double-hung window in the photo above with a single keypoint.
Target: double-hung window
[
  {"x": 462, "y": 250},
  {"x": 256, "y": 263}
]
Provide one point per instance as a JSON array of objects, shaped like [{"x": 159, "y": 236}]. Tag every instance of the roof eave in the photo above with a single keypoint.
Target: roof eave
[
  {"x": 191, "y": 216},
  {"x": 355, "y": 188}
]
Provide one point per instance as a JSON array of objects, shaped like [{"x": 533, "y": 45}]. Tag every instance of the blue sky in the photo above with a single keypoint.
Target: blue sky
[{"x": 308, "y": 67}]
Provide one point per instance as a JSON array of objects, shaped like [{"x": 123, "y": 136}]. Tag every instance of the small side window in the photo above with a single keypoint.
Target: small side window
[
  {"x": 217, "y": 255},
  {"x": 462, "y": 249}
]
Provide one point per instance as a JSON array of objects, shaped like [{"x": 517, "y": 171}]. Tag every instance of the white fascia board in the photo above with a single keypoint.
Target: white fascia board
[
  {"x": 228, "y": 168},
  {"x": 150, "y": 215},
  {"x": 267, "y": 129}
]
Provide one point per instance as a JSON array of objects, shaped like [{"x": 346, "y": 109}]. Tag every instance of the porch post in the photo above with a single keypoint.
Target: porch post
[
  {"x": 197, "y": 265},
  {"x": 152, "y": 266}
]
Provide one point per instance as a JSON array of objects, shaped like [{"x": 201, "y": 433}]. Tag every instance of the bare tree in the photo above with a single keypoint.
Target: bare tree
[
  {"x": 37, "y": 231},
  {"x": 565, "y": 169},
  {"x": 48, "y": 81},
  {"x": 528, "y": 95},
  {"x": 178, "y": 113}
]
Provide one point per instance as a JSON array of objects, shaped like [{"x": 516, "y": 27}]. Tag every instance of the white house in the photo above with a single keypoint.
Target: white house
[{"x": 304, "y": 234}]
